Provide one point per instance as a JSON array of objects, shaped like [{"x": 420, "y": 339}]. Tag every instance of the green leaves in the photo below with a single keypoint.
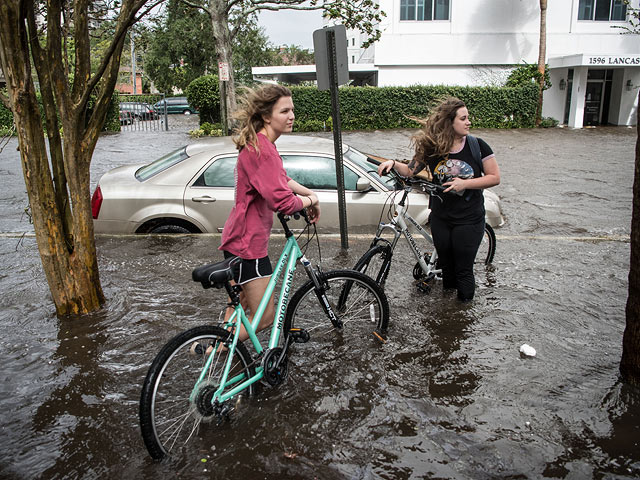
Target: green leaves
[
  {"x": 204, "y": 94},
  {"x": 371, "y": 108}
]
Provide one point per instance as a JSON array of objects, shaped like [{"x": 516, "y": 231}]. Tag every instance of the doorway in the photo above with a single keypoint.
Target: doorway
[{"x": 597, "y": 97}]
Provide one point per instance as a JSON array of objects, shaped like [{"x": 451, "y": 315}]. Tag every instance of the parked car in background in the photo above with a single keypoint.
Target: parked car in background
[
  {"x": 140, "y": 110},
  {"x": 192, "y": 189},
  {"x": 126, "y": 117},
  {"x": 175, "y": 105}
]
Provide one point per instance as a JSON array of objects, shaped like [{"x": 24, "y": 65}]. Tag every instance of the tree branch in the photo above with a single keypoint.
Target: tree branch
[
  {"x": 194, "y": 5},
  {"x": 125, "y": 20}
]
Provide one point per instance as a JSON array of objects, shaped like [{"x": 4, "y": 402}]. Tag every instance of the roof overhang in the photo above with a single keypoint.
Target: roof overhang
[
  {"x": 595, "y": 61},
  {"x": 299, "y": 73}
]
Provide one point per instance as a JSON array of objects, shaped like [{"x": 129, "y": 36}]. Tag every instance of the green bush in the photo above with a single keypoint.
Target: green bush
[
  {"x": 527, "y": 74},
  {"x": 111, "y": 124},
  {"x": 204, "y": 94},
  {"x": 6, "y": 117},
  {"x": 548, "y": 122},
  {"x": 372, "y": 108}
]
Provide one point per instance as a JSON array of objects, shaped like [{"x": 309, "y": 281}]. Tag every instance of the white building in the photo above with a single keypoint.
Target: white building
[{"x": 594, "y": 68}]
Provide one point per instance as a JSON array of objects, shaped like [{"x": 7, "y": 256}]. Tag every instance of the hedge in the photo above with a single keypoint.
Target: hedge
[
  {"x": 373, "y": 108},
  {"x": 111, "y": 124},
  {"x": 203, "y": 93}
]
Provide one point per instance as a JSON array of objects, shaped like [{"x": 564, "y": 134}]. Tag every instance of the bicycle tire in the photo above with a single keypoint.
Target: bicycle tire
[
  {"x": 376, "y": 263},
  {"x": 487, "y": 249},
  {"x": 364, "y": 311},
  {"x": 168, "y": 418}
]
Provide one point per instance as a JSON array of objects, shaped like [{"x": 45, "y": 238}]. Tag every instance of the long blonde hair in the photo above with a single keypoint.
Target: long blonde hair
[
  {"x": 256, "y": 105},
  {"x": 436, "y": 137}
]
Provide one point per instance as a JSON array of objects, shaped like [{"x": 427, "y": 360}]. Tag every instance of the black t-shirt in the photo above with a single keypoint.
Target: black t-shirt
[{"x": 457, "y": 209}]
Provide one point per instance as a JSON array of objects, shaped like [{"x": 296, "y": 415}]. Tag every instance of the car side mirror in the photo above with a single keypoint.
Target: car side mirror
[{"x": 363, "y": 185}]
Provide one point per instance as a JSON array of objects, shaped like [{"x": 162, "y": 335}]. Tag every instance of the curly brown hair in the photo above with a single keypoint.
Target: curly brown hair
[
  {"x": 436, "y": 137},
  {"x": 256, "y": 105}
]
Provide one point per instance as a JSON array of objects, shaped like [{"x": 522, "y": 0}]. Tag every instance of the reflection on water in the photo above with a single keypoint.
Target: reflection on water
[{"x": 448, "y": 395}]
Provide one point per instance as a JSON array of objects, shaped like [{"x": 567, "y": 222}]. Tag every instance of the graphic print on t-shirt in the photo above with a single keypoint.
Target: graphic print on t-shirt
[{"x": 449, "y": 169}]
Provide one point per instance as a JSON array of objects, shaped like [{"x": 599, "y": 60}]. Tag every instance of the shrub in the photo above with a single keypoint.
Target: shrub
[
  {"x": 527, "y": 74},
  {"x": 204, "y": 94},
  {"x": 111, "y": 124},
  {"x": 548, "y": 122},
  {"x": 371, "y": 108}
]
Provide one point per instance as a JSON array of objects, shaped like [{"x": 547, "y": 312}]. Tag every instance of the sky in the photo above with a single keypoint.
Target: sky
[{"x": 290, "y": 27}]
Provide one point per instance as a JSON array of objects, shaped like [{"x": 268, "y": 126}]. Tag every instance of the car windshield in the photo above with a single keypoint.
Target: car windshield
[
  {"x": 360, "y": 159},
  {"x": 160, "y": 165}
]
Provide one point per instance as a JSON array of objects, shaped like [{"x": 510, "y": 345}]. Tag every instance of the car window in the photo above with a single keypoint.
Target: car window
[
  {"x": 219, "y": 174},
  {"x": 317, "y": 173},
  {"x": 360, "y": 159},
  {"x": 160, "y": 165}
]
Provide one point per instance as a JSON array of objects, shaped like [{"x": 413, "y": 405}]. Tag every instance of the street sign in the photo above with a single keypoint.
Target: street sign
[
  {"x": 321, "y": 50},
  {"x": 223, "y": 71},
  {"x": 330, "y": 45}
]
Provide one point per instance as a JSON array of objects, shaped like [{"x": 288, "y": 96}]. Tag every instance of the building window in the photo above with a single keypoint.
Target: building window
[
  {"x": 424, "y": 9},
  {"x": 602, "y": 10}
]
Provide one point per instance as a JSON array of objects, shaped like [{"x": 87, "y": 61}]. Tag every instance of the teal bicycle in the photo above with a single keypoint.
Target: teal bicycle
[{"x": 198, "y": 376}]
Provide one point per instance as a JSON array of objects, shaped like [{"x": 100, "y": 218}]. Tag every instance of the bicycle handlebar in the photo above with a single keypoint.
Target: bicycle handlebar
[
  {"x": 424, "y": 185},
  {"x": 284, "y": 220}
]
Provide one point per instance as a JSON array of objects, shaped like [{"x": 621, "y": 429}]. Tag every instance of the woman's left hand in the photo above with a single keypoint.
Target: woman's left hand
[{"x": 455, "y": 185}]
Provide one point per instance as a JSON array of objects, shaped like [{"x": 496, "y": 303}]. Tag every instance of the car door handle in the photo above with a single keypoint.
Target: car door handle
[{"x": 205, "y": 199}]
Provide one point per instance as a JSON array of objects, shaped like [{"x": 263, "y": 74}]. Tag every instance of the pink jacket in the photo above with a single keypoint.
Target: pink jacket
[{"x": 261, "y": 189}]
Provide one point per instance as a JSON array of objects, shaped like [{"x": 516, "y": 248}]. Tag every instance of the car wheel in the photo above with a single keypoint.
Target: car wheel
[
  {"x": 169, "y": 229},
  {"x": 187, "y": 112}
]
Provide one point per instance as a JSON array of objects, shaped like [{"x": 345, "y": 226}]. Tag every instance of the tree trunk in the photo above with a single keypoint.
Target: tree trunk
[
  {"x": 71, "y": 270},
  {"x": 542, "y": 53},
  {"x": 60, "y": 200},
  {"x": 630, "y": 363},
  {"x": 224, "y": 50}
]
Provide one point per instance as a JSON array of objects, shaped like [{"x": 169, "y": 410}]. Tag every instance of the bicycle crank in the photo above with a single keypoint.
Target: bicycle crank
[
  {"x": 275, "y": 365},
  {"x": 418, "y": 273}
]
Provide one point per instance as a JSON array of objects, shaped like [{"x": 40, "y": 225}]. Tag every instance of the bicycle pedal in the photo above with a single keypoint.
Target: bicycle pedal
[
  {"x": 299, "y": 335},
  {"x": 423, "y": 286}
]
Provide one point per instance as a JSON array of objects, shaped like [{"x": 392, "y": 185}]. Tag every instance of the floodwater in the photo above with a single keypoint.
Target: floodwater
[{"x": 448, "y": 396}]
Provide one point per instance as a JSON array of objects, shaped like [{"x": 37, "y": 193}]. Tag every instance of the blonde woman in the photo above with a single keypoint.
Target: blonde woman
[{"x": 262, "y": 187}]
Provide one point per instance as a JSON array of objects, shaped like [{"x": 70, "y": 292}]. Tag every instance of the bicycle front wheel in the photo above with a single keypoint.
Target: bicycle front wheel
[
  {"x": 376, "y": 263},
  {"x": 487, "y": 249},
  {"x": 173, "y": 405},
  {"x": 363, "y": 311}
]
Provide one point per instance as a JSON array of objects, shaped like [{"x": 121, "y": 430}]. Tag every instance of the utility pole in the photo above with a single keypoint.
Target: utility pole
[{"x": 133, "y": 61}]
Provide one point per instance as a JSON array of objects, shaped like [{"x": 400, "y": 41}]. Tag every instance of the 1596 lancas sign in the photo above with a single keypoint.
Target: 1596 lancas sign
[{"x": 613, "y": 60}]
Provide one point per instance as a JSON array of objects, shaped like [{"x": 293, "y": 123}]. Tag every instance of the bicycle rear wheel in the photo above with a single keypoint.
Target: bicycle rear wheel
[
  {"x": 376, "y": 263},
  {"x": 487, "y": 249},
  {"x": 172, "y": 406},
  {"x": 363, "y": 310}
]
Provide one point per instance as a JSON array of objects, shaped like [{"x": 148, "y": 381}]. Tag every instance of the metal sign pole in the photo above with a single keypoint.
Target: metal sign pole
[
  {"x": 223, "y": 74},
  {"x": 337, "y": 136}
]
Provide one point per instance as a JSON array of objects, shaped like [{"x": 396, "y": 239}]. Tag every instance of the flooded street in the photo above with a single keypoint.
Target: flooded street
[{"x": 448, "y": 396}]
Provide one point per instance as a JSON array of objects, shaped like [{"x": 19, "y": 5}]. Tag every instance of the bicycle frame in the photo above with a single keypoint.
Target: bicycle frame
[
  {"x": 399, "y": 227},
  {"x": 287, "y": 265}
]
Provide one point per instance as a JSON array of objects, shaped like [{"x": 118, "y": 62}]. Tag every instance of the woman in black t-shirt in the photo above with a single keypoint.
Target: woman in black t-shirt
[{"x": 457, "y": 217}]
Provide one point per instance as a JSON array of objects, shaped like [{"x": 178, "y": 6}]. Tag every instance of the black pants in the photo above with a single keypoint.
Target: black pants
[{"x": 457, "y": 246}]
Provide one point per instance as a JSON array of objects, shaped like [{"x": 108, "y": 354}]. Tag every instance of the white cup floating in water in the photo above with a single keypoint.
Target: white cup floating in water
[{"x": 527, "y": 350}]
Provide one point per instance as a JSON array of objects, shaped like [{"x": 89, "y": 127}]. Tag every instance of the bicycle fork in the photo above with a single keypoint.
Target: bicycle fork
[{"x": 320, "y": 290}]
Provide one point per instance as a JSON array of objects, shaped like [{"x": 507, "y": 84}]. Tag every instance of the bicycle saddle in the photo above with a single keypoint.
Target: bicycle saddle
[{"x": 215, "y": 274}]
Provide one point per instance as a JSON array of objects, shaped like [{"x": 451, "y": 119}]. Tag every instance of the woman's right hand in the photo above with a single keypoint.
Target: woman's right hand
[
  {"x": 313, "y": 210},
  {"x": 385, "y": 167}
]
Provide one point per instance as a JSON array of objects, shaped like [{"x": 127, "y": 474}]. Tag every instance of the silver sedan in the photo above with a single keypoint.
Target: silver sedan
[{"x": 191, "y": 190}]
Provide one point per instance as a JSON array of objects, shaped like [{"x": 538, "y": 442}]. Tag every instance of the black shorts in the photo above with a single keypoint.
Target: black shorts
[{"x": 248, "y": 270}]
